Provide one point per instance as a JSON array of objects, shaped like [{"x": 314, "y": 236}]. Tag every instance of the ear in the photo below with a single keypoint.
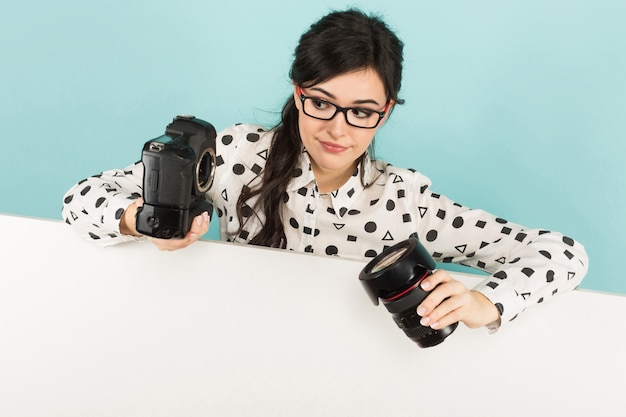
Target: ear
[{"x": 296, "y": 95}]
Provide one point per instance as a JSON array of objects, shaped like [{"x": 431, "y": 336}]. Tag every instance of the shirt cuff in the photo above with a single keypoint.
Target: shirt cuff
[{"x": 503, "y": 296}]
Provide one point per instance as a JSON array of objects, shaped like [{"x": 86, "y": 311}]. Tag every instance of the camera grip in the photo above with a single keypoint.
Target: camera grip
[{"x": 168, "y": 223}]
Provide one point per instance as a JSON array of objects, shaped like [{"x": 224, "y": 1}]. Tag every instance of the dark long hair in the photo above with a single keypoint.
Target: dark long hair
[{"x": 339, "y": 43}]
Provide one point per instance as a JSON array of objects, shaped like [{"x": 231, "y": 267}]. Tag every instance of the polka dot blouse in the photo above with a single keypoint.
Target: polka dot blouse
[{"x": 527, "y": 266}]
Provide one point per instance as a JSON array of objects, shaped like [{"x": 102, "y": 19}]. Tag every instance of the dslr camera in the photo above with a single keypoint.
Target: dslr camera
[
  {"x": 178, "y": 170},
  {"x": 394, "y": 277}
]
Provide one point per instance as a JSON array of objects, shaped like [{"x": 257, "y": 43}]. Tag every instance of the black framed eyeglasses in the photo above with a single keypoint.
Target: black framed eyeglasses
[{"x": 355, "y": 116}]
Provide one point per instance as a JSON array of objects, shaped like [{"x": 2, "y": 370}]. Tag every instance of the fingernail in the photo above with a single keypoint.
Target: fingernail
[
  {"x": 426, "y": 285},
  {"x": 199, "y": 221},
  {"x": 435, "y": 325},
  {"x": 421, "y": 311},
  {"x": 205, "y": 216},
  {"x": 424, "y": 321},
  {"x": 192, "y": 236}
]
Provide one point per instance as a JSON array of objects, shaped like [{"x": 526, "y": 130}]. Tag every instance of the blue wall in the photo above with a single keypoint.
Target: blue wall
[{"x": 517, "y": 107}]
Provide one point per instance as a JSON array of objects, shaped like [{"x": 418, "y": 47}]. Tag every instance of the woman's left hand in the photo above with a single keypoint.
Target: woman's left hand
[{"x": 450, "y": 301}]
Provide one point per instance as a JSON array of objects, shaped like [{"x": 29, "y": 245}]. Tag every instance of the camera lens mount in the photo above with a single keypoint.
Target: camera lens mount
[{"x": 205, "y": 170}]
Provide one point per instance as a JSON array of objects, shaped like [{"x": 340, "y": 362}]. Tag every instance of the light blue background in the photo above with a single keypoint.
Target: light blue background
[{"x": 517, "y": 107}]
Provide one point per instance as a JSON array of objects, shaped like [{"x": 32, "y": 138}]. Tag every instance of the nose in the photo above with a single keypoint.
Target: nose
[{"x": 337, "y": 125}]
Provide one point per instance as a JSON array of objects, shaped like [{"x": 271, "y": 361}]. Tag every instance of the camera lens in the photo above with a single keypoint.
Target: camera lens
[
  {"x": 394, "y": 276},
  {"x": 205, "y": 170},
  {"x": 388, "y": 259}
]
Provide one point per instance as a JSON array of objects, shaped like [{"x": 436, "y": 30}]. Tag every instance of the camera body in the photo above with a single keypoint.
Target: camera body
[
  {"x": 394, "y": 277},
  {"x": 178, "y": 170}
]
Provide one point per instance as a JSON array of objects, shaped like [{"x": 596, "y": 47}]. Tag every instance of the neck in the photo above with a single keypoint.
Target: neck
[{"x": 331, "y": 180}]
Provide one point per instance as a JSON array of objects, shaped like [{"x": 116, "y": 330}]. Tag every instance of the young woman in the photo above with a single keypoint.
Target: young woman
[{"x": 310, "y": 185}]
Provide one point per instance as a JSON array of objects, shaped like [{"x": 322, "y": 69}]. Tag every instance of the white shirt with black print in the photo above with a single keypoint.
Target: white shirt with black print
[{"x": 527, "y": 266}]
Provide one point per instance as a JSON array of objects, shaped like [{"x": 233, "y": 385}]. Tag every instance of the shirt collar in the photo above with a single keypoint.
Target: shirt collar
[{"x": 343, "y": 198}]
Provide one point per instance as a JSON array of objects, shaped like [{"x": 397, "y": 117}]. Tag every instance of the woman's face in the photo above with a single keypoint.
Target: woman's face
[{"x": 334, "y": 146}]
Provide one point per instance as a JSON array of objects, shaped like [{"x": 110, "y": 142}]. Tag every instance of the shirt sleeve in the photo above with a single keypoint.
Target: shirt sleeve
[
  {"x": 94, "y": 206},
  {"x": 526, "y": 266}
]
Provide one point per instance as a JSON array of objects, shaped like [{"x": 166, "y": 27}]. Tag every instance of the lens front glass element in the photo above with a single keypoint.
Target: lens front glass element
[{"x": 388, "y": 260}]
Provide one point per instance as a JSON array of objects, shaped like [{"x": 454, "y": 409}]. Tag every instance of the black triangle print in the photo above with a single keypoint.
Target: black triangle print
[
  {"x": 423, "y": 211},
  {"x": 397, "y": 179},
  {"x": 501, "y": 260},
  {"x": 525, "y": 295},
  {"x": 225, "y": 195},
  {"x": 339, "y": 226},
  {"x": 570, "y": 275},
  {"x": 461, "y": 248},
  {"x": 263, "y": 155},
  {"x": 388, "y": 236}
]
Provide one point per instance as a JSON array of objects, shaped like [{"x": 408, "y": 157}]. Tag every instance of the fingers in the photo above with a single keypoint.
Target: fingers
[
  {"x": 443, "y": 306},
  {"x": 199, "y": 226},
  {"x": 450, "y": 301}
]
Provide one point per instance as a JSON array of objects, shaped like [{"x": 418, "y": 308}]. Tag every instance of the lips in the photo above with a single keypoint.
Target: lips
[{"x": 332, "y": 147}]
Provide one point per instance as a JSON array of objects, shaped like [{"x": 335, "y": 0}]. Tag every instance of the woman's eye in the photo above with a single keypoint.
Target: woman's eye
[
  {"x": 361, "y": 113},
  {"x": 320, "y": 104}
]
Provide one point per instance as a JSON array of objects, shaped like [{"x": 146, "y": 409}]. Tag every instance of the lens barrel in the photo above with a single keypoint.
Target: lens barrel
[{"x": 394, "y": 277}]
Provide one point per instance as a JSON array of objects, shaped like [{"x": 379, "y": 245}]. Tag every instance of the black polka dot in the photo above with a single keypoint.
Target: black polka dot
[
  {"x": 568, "y": 241},
  {"x": 297, "y": 172},
  {"x": 457, "y": 222},
  {"x": 227, "y": 139},
  {"x": 500, "y": 274},
  {"x": 390, "y": 205},
  {"x": 500, "y": 308},
  {"x": 68, "y": 199},
  {"x": 100, "y": 201},
  {"x": 370, "y": 227},
  {"x": 85, "y": 190},
  {"x": 550, "y": 276},
  {"x": 431, "y": 236},
  {"x": 371, "y": 253},
  {"x": 546, "y": 254},
  {"x": 94, "y": 236},
  {"x": 239, "y": 169},
  {"x": 119, "y": 213},
  {"x": 253, "y": 137},
  {"x": 332, "y": 250}
]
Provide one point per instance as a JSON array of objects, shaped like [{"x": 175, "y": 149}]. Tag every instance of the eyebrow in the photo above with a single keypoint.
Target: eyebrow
[{"x": 332, "y": 96}]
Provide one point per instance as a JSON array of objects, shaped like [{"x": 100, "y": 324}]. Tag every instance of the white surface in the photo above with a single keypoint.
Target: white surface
[{"x": 225, "y": 330}]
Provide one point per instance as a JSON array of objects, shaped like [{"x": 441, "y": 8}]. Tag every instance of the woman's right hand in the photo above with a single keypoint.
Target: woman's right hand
[{"x": 199, "y": 226}]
